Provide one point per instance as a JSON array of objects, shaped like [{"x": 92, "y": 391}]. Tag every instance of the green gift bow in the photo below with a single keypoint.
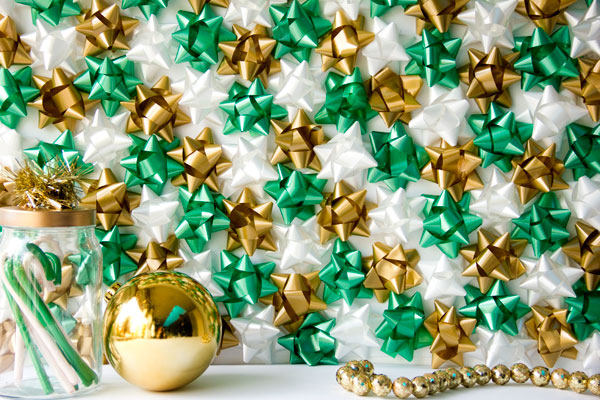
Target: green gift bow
[
  {"x": 202, "y": 216},
  {"x": 198, "y": 37},
  {"x": 64, "y": 318},
  {"x": 147, "y": 7},
  {"x": 584, "y": 150},
  {"x": 447, "y": 223},
  {"x": 296, "y": 193},
  {"x": 346, "y": 102},
  {"x": 51, "y": 11},
  {"x": 399, "y": 159},
  {"x": 343, "y": 275},
  {"x": 15, "y": 92},
  {"x": 434, "y": 58},
  {"x": 242, "y": 281},
  {"x": 402, "y": 328},
  {"x": 148, "y": 165},
  {"x": 380, "y": 7},
  {"x": 115, "y": 261},
  {"x": 496, "y": 310},
  {"x": 311, "y": 344},
  {"x": 86, "y": 265},
  {"x": 584, "y": 311},
  {"x": 109, "y": 80},
  {"x": 250, "y": 109},
  {"x": 500, "y": 137},
  {"x": 63, "y": 149},
  {"x": 297, "y": 28},
  {"x": 543, "y": 225},
  {"x": 545, "y": 59}
]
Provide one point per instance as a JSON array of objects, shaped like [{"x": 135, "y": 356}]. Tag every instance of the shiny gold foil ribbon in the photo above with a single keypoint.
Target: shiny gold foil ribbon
[
  {"x": 494, "y": 258},
  {"x": 83, "y": 341},
  {"x": 339, "y": 48},
  {"x": 228, "y": 338},
  {"x": 250, "y": 225},
  {"x": 198, "y": 5},
  {"x": 391, "y": 270},
  {"x": 587, "y": 86},
  {"x": 554, "y": 336},
  {"x": 155, "y": 111},
  {"x": 249, "y": 55},
  {"x": 12, "y": 49},
  {"x": 296, "y": 297},
  {"x": 453, "y": 168},
  {"x": 488, "y": 77},
  {"x": 60, "y": 294},
  {"x": 451, "y": 335},
  {"x": 440, "y": 13},
  {"x": 393, "y": 95},
  {"x": 584, "y": 249},
  {"x": 203, "y": 161},
  {"x": 544, "y": 13},
  {"x": 538, "y": 170},
  {"x": 296, "y": 140},
  {"x": 157, "y": 256},
  {"x": 7, "y": 344}
]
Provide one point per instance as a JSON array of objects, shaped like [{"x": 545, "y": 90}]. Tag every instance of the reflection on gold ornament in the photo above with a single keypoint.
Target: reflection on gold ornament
[
  {"x": 12, "y": 49},
  {"x": 451, "y": 335},
  {"x": 544, "y": 13},
  {"x": 296, "y": 297},
  {"x": 155, "y": 111},
  {"x": 295, "y": 141},
  {"x": 553, "y": 333},
  {"x": 489, "y": 76},
  {"x": 161, "y": 330},
  {"x": 198, "y": 5},
  {"x": 494, "y": 258},
  {"x": 391, "y": 270},
  {"x": 393, "y": 95},
  {"x": 104, "y": 28},
  {"x": 538, "y": 170},
  {"x": 587, "y": 86},
  {"x": 250, "y": 225},
  {"x": 112, "y": 201},
  {"x": 339, "y": 48},
  {"x": 440, "y": 13},
  {"x": 584, "y": 249},
  {"x": 453, "y": 168},
  {"x": 157, "y": 256},
  {"x": 344, "y": 213},
  {"x": 203, "y": 161},
  {"x": 249, "y": 55}
]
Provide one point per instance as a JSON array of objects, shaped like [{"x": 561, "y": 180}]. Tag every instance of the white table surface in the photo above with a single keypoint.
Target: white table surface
[{"x": 289, "y": 382}]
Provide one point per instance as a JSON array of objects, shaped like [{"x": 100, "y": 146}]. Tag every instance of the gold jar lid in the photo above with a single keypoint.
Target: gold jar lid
[{"x": 17, "y": 217}]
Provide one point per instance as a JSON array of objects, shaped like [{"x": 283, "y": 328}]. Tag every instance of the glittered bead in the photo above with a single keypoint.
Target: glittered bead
[
  {"x": 361, "y": 384},
  {"x": 519, "y": 373},
  {"x": 434, "y": 386},
  {"x": 540, "y": 376},
  {"x": 402, "y": 387},
  {"x": 381, "y": 385},
  {"x": 367, "y": 367},
  {"x": 578, "y": 382},
  {"x": 344, "y": 376},
  {"x": 594, "y": 384},
  {"x": 455, "y": 378},
  {"x": 356, "y": 366},
  {"x": 482, "y": 373},
  {"x": 500, "y": 374},
  {"x": 443, "y": 380},
  {"x": 560, "y": 378},
  {"x": 420, "y": 387},
  {"x": 468, "y": 377}
]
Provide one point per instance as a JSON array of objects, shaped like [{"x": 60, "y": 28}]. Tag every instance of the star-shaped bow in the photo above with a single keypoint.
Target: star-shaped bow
[
  {"x": 115, "y": 261},
  {"x": 147, "y": 7},
  {"x": 584, "y": 249},
  {"x": 584, "y": 311},
  {"x": 586, "y": 85},
  {"x": 433, "y": 12},
  {"x": 544, "y": 14},
  {"x": 15, "y": 92},
  {"x": 14, "y": 50},
  {"x": 51, "y": 11},
  {"x": 157, "y": 256},
  {"x": 584, "y": 150},
  {"x": 312, "y": 343},
  {"x": 62, "y": 148}
]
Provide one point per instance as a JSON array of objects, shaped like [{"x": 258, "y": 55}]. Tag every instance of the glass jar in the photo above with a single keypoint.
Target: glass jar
[{"x": 50, "y": 321}]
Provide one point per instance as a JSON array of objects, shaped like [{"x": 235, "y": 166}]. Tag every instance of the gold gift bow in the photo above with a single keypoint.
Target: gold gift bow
[
  {"x": 12, "y": 49},
  {"x": 157, "y": 256},
  {"x": 587, "y": 85},
  {"x": 584, "y": 249}
]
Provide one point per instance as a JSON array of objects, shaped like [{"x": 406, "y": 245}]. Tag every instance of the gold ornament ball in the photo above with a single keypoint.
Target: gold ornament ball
[
  {"x": 420, "y": 387},
  {"x": 578, "y": 382},
  {"x": 482, "y": 373},
  {"x": 161, "y": 330},
  {"x": 361, "y": 384},
  {"x": 560, "y": 378},
  {"x": 443, "y": 380},
  {"x": 434, "y": 386},
  {"x": 402, "y": 388},
  {"x": 520, "y": 373},
  {"x": 381, "y": 385},
  {"x": 469, "y": 379},
  {"x": 594, "y": 384},
  {"x": 540, "y": 376},
  {"x": 455, "y": 378}
]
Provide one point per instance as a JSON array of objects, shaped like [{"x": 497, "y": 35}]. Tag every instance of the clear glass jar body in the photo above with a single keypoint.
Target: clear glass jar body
[{"x": 50, "y": 321}]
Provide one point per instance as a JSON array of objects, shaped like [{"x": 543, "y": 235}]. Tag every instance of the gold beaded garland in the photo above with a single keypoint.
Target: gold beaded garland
[
  {"x": 500, "y": 374},
  {"x": 402, "y": 387},
  {"x": 434, "y": 387},
  {"x": 578, "y": 382},
  {"x": 381, "y": 385},
  {"x": 482, "y": 373},
  {"x": 420, "y": 387},
  {"x": 594, "y": 384},
  {"x": 443, "y": 380},
  {"x": 560, "y": 378},
  {"x": 540, "y": 376},
  {"x": 519, "y": 373},
  {"x": 455, "y": 378},
  {"x": 361, "y": 384}
]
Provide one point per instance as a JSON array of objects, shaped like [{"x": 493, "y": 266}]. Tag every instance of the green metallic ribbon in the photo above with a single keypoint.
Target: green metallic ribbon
[
  {"x": 202, "y": 216},
  {"x": 85, "y": 264},
  {"x": 346, "y": 102},
  {"x": 60, "y": 150},
  {"x": 543, "y": 225},
  {"x": 243, "y": 282},
  {"x": 434, "y": 58},
  {"x": 545, "y": 59},
  {"x": 296, "y": 193},
  {"x": 584, "y": 311},
  {"x": 115, "y": 261},
  {"x": 584, "y": 150},
  {"x": 64, "y": 318},
  {"x": 311, "y": 344},
  {"x": 250, "y": 109},
  {"x": 447, "y": 223},
  {"x": 399, "y": 159},
  {"x": 297, "y": 28},
  {"x": 147, "y": 7},
  {"x": 380, "y": 7},
  {"x": 51, "y": 11},
  {"x": 148, "y": 163},
  {"x": 15, "y": 92},
  {"x": 343, "y": 275},
  {"x": 109, "y": 80},
  {"x": 198, "y": 37},
  {"x": 402, "y": 328},
  {"x": 500, "y": 137},
  {"x": 496, "y": 310}
]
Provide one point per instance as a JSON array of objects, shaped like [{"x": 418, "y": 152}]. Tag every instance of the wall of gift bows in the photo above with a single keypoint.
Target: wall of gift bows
[{"x": 361, "y": 174}]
